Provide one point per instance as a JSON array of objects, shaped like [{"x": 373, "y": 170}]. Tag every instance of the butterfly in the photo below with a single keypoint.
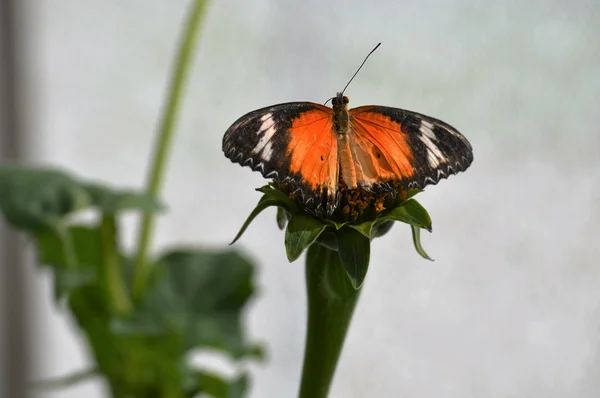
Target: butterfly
[
  {"x": 317, "y": 149},
  {"x": 314, "y": 147}
]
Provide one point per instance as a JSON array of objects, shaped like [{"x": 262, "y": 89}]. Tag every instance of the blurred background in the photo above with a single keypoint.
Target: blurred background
[{"x": 510, "y": 307}]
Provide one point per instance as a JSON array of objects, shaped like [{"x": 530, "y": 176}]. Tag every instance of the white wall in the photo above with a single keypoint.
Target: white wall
[{"x": 511, "y": 305}]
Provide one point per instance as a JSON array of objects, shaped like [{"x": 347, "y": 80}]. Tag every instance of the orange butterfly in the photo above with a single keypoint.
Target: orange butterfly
[{"x": 313, "y": 147}]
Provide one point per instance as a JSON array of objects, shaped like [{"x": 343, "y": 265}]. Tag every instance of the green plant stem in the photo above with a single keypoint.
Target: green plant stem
[
  {"x": 113, "y": 271},
  {"x": 165, "y": 138},
  {"x": 331, "y": 302},
  {"x": 68, "y": 247}
]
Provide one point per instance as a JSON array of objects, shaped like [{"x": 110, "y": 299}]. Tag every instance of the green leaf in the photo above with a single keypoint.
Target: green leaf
[
  {"x": 215, "y": 385},
  {"x": 412, "y": 192},
  {"x": 263, "y": 203},
  {"x": 364, "y": 228},
  {"x": 198, "y": 295},
  {"x": 238, "y": 388},
  {"x": 33, "y": 199},
  {"x": 381, "y": 228},
  {"x": 327, "y": 239},
  {"x": 301, "y": 232},
  {"x": 354, "y": 249},
  {"x": 66, "y": 281},
  {"x": 286, "y": 201},
  {"x": 410, "y": 212},
  {"x": 282, "y": 218},
  {"x": 416, "y": 235},
  {"x": 36, "y": 198},
  {"x": 111, "y": 201},
  {"x": 73, "y": 253},
  {"x": 337, "y": 224},
  {"x": 86, "y": 244}
]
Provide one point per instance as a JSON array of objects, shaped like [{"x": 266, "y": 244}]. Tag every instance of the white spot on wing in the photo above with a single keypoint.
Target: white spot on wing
[
  {"x": 267, "y": 152},
  {"x": 434, "y": 155},
  {"x": 426, "y": 129},
  {"x": 267, "y": 129},
  {"x": 267, "y": 123},
  {"x": 266, "y": 117}
]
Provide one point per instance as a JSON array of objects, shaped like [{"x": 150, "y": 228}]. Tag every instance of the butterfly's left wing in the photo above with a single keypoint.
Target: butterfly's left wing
[
  {"x": 394, "y": 144},
  {"x": 294, "y": 144}
]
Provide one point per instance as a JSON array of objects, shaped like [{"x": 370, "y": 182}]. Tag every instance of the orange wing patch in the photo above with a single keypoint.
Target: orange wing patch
[
  {"x": 371, "y": 164},
  {"x": 313, "y": 150},
  {"x": 380, "y": 148}
]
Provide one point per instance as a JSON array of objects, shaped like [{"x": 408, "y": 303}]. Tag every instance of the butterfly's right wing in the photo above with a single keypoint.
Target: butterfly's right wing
[
  {"x": 396, "y": 145},
  {"x": 294, "y": 144}
]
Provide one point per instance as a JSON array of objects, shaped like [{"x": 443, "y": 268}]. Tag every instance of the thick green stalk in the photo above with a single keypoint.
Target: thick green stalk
[
  {"x": 113, "y": 269},
  {"x": 165, "y": 138},
  {"x": 331, "y": 302}
]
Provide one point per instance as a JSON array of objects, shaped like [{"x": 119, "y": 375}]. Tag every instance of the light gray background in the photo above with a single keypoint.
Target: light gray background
[{"x": 511, "y": 305}]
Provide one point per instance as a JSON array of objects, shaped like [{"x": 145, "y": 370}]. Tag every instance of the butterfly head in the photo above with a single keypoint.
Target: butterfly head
[{"x": 340, "y": 100}]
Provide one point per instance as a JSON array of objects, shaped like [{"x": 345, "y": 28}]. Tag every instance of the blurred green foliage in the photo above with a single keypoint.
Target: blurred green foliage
[{"x": 194, "y": 299}]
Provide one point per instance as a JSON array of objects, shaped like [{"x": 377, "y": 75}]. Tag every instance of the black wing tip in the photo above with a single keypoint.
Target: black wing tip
[{"x": 458, "y": 166}]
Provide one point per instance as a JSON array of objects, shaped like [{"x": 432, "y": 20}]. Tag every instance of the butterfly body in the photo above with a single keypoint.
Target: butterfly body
[{"x": 316, "y": 149}]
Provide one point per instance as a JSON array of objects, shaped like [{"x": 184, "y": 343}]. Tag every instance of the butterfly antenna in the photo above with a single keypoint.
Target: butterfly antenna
[{"x": 361, "y": 65}]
